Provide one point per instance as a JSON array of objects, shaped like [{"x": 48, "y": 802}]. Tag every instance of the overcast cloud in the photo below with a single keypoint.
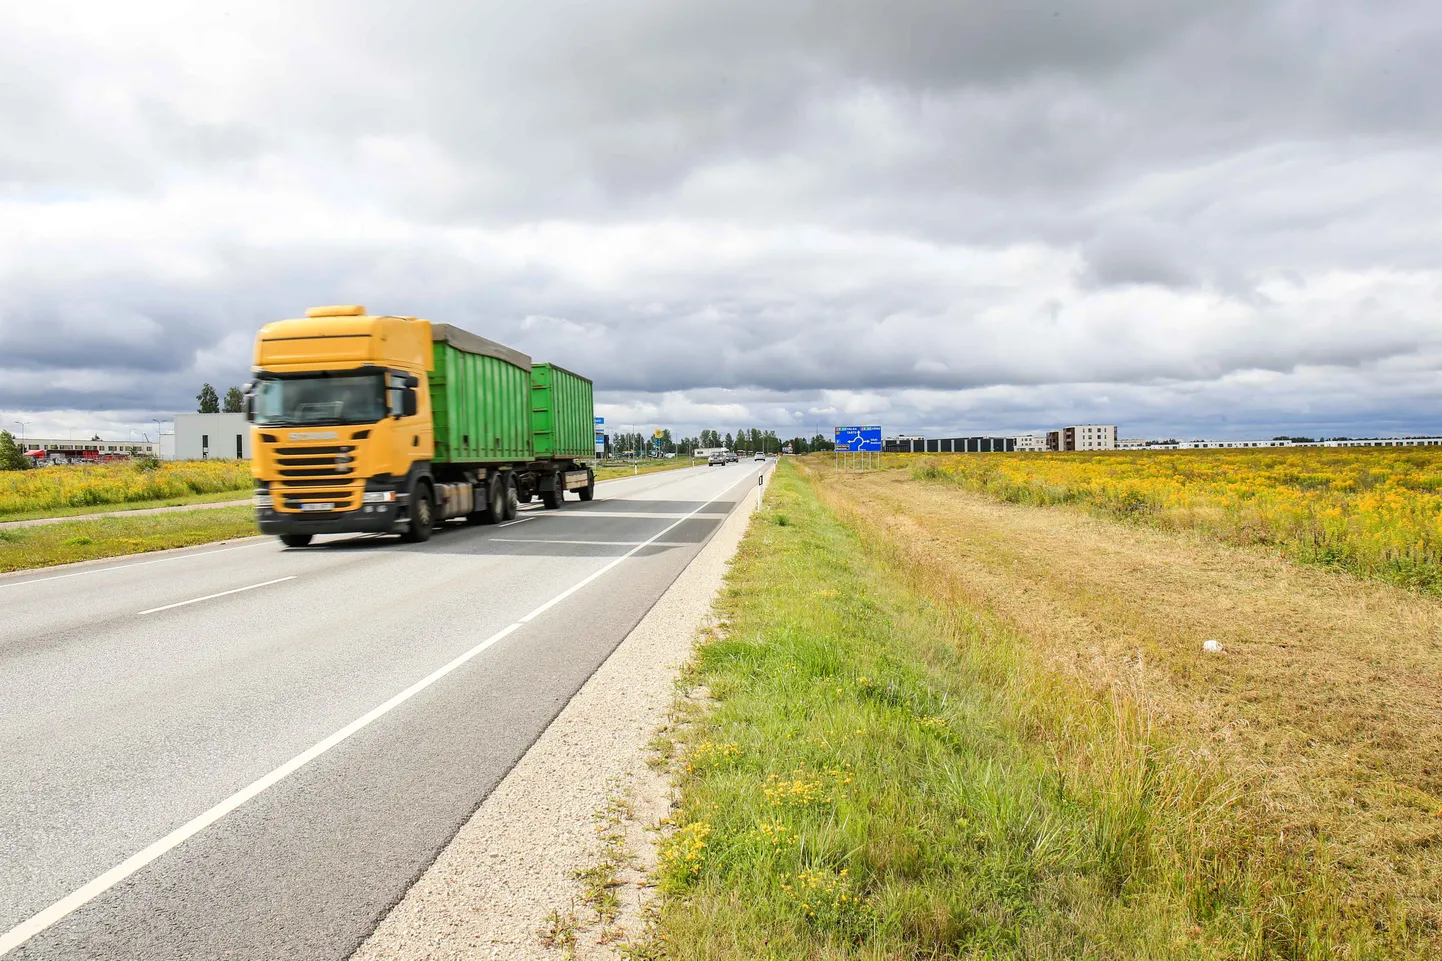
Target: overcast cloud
[{"x": 1186, "y": 218}]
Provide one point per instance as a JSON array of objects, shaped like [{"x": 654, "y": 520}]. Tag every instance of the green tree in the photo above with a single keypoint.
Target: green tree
[
  {"x": 208, "y": 399},
  {"x": 11, "y": 456},
  {"x": 729, "y": 443},
  {"x": 234, "y": 401}
]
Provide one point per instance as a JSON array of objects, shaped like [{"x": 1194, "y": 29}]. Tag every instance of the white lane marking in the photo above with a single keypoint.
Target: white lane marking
[
  {"x": 207, "y": 597},
  {"x": 654, "y": 537},
  {"x": 584, "y": 513},
  {"x": 30, "y": 927},
  {"x": 519, "y": 520},
  {"x": 125, "y": 567},
  {"x": 87, "y": 892},
  {"x": 537, "y": 540}
]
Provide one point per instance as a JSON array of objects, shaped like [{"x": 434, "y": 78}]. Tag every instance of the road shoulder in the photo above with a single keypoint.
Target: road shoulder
[{"x": 508, "y": 879}]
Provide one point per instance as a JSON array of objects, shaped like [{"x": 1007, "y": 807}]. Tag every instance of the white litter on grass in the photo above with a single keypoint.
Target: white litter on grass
[{"x": 1212, "y": 647}]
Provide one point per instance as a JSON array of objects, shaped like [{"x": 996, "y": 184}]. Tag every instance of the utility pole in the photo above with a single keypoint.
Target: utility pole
[{"x": 157, "y": 437}]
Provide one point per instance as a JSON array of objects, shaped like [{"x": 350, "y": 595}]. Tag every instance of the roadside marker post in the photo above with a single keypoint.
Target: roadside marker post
[{"x": 759, "y": 479}]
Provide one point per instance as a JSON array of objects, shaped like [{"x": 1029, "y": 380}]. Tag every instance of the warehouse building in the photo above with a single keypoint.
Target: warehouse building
[{"x": 211, "y": 437}]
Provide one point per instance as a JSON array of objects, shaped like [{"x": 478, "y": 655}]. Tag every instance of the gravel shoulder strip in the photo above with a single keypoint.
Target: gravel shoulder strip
[{"x": 509, "y": 874}]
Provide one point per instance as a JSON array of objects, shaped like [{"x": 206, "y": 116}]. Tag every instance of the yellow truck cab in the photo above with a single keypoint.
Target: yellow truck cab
[{"x": 346, "y": 408}]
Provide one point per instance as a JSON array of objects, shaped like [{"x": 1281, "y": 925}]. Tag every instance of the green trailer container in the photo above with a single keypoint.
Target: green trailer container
[
  {"x": 481, "y": 399},
  {"x": 562, "y": 413}
]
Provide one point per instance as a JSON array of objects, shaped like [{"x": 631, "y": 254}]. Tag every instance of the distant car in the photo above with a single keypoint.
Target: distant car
[
  {"x": 731, "y": 456},
  {"x": 717, "y": 458},
  {"x": 759, "y": 457}
]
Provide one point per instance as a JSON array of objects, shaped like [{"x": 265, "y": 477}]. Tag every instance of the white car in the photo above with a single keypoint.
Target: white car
[{"x": 759, "y": 457}]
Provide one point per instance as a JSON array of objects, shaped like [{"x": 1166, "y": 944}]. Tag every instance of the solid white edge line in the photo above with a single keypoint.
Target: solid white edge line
[
  {"x": 87, "y": 892},
  {"x": 125, "y": 567},
  {"x": 519, "y": 520},
  {"x": 82, "y": 895},
  {"x": 207, "y": 597}
]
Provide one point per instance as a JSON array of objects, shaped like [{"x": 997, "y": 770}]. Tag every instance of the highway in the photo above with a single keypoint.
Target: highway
[{"x": 244, "y": 751}]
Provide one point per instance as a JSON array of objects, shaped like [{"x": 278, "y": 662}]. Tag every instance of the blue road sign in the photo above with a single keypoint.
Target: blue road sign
[
  {"x": 857, "y": 440},
  {"x": 600, "y": 421}
]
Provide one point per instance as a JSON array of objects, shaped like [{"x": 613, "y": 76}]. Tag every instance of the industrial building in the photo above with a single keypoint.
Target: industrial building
[
  {"x": 61, "y": 450},
  {"x": 948, "y": 445},
  {"x": 212, "y": 437}
]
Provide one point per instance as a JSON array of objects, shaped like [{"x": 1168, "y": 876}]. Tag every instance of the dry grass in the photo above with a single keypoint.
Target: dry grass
[{"x": 1327, "y": 705}]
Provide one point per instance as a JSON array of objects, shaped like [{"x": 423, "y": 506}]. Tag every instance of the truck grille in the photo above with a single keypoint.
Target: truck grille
[
  {"x": 292, "y": 498},
  {"x": 316, "y": 475},
  {"x": 314, "y": 461}
]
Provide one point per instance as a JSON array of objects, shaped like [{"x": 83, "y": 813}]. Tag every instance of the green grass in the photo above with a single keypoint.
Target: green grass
[
  {"x": 23, "y": 548},
  {"x": 217, "y": 497},
  {"x": 878, "y": 777}
]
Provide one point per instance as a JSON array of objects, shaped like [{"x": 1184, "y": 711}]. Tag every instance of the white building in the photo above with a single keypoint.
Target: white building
[
  {"x": 1031, "y": 442},
  {"x": 211, "y": 437},
  {"x": 1090, "y": 437}
]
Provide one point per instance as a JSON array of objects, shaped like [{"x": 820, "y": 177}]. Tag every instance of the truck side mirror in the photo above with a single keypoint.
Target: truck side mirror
[
  {"x": 412, "y": 381},
  {"x": 247, "y": 405},
  {"x": 408, "y": 402}
]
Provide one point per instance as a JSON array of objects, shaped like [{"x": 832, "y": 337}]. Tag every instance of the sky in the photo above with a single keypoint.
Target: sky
[{"x": 1216, "y": 219}]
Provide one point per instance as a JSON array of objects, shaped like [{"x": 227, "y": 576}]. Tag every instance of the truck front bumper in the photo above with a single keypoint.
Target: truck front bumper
[{"x": 370, "y": 519}]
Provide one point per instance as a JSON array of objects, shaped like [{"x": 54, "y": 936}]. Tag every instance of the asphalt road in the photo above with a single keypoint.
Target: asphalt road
[{"x": 251, "y": 752}]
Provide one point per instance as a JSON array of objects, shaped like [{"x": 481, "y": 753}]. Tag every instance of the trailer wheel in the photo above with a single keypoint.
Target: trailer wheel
[
  {"x": 295, "y": 540},
  {"x": 553, "y": 497},
  {"x": 524, "y": 495},
  {"x": 589, "y": 491},
  {"x": 423, "y": 515},
  {"x": 495, "y": 509},
  {"x": 509, "y": 497}
]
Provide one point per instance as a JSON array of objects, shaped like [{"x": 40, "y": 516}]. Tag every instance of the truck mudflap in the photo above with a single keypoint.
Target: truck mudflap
[{"x": 577, "y": 479}]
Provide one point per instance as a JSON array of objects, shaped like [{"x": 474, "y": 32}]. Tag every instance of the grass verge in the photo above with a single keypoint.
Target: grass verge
[
  {"x": 23, "y": 548},
  {"x": 217, "y": 497},
  {"x": 881, "y": 776}
]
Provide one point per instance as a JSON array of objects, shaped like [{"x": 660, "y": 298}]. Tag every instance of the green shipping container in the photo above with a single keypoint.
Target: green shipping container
[
  {"x": 480, "y": 399},
  {"x": 563, "y": 413}
]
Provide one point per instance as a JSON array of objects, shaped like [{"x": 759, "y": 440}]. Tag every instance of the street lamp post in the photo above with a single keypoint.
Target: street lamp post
[
  {"x": 23, "y": 425},
  {"x": 157, "y": 437}
]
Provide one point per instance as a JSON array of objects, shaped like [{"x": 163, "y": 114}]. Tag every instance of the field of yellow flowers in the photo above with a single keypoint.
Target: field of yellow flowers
[
  {"x": 1376, "y": 512},
  {"x": 61, "y": 487}
]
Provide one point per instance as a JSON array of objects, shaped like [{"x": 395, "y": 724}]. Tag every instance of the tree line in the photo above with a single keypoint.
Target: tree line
[
  {"x": 210, "y": 402},
  {"x": 748, "y": 439}
]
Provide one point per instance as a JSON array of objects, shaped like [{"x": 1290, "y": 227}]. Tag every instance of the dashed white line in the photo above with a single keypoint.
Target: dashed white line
[{"x": 197, "y": 600}]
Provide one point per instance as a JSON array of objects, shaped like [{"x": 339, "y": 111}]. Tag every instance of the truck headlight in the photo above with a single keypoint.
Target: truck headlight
[
  {"x": 378, "y": 497},
  {"x": 264, "y": 500}
]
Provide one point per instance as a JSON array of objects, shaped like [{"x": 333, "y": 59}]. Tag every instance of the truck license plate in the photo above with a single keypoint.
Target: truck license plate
[{"x": 317, "y": 507}]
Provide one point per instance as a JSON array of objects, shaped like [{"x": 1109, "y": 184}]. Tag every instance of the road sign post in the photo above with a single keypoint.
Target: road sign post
[{"x": 851, "y": 442}]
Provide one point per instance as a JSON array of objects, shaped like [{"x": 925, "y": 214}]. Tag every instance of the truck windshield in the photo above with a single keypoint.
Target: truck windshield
[{"x": 340, "y": 397}]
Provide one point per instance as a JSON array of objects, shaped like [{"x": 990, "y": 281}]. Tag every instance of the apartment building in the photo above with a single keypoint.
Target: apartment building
[
  {"x": 1031, "y": 442},
  {"x": 1086, "y": 437}
]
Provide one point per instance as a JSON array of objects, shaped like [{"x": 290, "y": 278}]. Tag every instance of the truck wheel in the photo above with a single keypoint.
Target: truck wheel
[
  {"x": 589, "y": 491},
  {"x": 295, "y": 540},
  {"x": 524, "y": 496},
  {"x": 495, "y": 509},
  {"x": 423, "y": 516},
  {"x": 553, "y": 497},
  {"x": 510, "y": 497}
]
